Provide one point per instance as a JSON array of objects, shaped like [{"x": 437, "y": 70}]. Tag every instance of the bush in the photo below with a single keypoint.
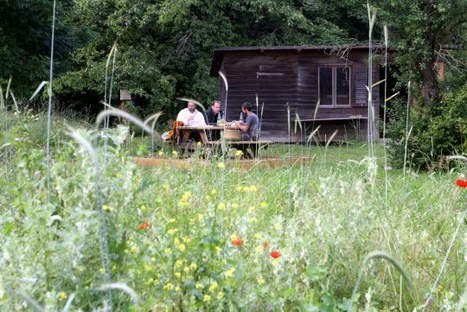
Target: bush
[{"x": 438, "y": 130}]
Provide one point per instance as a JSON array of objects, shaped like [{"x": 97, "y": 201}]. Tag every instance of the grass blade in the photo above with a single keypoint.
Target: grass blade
[{"x": 38, "y": 89}]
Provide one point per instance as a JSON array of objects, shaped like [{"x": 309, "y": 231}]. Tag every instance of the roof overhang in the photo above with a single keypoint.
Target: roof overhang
[{"x": 220, "y": 52}]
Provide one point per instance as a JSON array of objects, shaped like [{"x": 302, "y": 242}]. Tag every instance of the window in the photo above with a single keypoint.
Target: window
[{"x": 334, "y": 85}]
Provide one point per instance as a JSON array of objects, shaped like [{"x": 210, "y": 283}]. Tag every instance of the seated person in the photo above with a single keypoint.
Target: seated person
[
  {"x": 214, "y": 113},
  {"x": 249, "y": 127},
  {"x": 213, "y": 116},
  {"x": 190, "y": 116}
]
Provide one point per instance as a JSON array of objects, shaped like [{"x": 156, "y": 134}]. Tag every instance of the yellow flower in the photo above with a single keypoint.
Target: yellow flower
[
  {"x": 178, "y": 274},
  {"x": 134, "y": 249},
  {"x": 171, "y": 231},
  {"x": 178, "y": 263},
  {"x": 221, "y": 165},
  {"x": 213, "y": 287},
  {"x": 207, "y": 298},
  {"x": 229, "y": 273},
  {"x": 238, "y": 153},
  {"x": 186, "y": 196},
  {"x": 186, "y": 239},
  {"x": 199, "y": 286},
  {"x": 172, "y": 220},
  {"x": 193, "y": 266},
  {"x": 221, "y": 206},
  {"x": 177, "y": 289},
  {"x": 62, "y": 296},
  {"x": 143, "y": 208},
  {"x": 102, "y": 270},
  {"x": 183, "y": 203},
  {"x": 175, "y": 153},
  {"x": 168, "y": 251},
  {"x": 218, "y": 249},
  {"x": 182, "y": 247},
  {"x": 261, "y": 280},
  {"x": 107, "y": 208},
  {"x": 177, "y": 242},
  {"x": 258, "y": 249},
  {"x": 168, "y": 286},
  {"x": 220, "y": 295},
  {"x": 160, "y": 153},
  {"x": 213, "y": 192},
  {"x": 253, "y": 188},
  {"x": 263, "y": 204},
  {"x": 186, "y": 269}
]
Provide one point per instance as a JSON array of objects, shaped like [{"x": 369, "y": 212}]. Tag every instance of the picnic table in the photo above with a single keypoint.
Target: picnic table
[{"x": 208, "y": 145}]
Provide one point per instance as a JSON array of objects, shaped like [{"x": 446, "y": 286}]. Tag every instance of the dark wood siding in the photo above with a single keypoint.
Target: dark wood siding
[{"x": 289, "y": 79}]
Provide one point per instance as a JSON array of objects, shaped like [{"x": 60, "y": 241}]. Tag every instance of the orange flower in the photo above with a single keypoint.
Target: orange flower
[
  {"x": 237, "y": 242},
  {"x": 461, "y": 183},
  {"x": 265, "y": 245},
  {"x": 144, "y": 225},
  {"x": 275, "y": 254}
]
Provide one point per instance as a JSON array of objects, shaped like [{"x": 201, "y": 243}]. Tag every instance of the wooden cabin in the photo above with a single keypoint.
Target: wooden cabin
[{"x": 323, "y": 86}]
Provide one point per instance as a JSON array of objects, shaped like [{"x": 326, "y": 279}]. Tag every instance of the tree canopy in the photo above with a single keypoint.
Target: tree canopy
[{"x": 164, "y": 47}]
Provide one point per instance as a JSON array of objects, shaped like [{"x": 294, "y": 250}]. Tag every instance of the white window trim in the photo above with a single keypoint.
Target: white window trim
[{"x": 333, "y": 87}]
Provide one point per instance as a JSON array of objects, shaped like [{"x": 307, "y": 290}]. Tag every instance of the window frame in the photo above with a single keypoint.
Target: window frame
[{"x": 334, "y": 68}]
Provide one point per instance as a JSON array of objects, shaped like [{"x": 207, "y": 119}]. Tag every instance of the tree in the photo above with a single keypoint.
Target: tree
[
  {"x": 165, "y": 47},
  {"x": 25, "y": 30},
  {"x": 421, "y": 30}
]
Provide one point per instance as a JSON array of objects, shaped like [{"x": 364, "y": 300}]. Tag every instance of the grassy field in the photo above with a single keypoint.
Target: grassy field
[{"x": 104, "y": 233}]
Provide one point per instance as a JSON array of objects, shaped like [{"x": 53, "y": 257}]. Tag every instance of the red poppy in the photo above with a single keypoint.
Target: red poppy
[
  {"x": 144, "y": 225},
  {"x": 275, "y": 254},
  {"x": 237, "y": 242},
  {"x": 461, "y": 183},
  {"x": 265, "y": 245}
]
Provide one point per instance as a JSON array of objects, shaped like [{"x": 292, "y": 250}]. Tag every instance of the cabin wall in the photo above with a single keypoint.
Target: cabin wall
[{"x": 287, "y": 83}]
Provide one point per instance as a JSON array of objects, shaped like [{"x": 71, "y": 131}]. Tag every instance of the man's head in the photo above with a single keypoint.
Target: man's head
[
  {"x": 246, "y": 107},
  {"x": 216, "y": 106},
  {"x": 191, "y": 106}
]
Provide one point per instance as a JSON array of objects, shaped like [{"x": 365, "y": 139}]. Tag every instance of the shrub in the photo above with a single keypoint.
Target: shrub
[{"x": 438, "y": 130}]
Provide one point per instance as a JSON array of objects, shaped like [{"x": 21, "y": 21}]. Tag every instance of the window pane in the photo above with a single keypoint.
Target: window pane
[
  {"x": 342, "y": 86},
  {"x": 325, "y": 86}
]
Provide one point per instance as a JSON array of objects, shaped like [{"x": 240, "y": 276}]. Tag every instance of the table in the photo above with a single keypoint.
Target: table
[{"x": 184, "y": 142}]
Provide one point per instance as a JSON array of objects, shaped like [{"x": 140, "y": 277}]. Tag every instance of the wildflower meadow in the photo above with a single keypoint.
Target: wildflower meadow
[{"x": 338, "y": 233}]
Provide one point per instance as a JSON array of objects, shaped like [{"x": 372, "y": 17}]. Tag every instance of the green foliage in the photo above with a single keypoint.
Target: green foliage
[
  {"x": 165, "y": 47},
  {"x": 439, "y": 130},
  {"x": 419, "y": 32},
  {"x": 171, "y": 231}
]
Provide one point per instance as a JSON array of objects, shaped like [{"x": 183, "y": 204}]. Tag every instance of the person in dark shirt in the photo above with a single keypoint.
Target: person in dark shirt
[
  {"x": 213, "y": 116},
  {"x": 249, "y": 127},
  {"x": 214, "y": 113}
]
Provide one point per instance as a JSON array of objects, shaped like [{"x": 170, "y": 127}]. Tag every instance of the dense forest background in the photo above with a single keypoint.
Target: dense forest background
[{"x": 164, "y": 48}]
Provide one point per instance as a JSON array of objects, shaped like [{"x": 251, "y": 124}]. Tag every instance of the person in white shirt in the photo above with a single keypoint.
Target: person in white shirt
[{"x": 190, "y": 116}]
